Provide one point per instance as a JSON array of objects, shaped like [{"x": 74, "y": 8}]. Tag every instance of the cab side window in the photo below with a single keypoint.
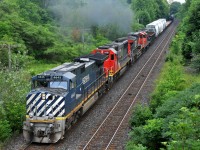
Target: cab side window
[
  {"x": 112, "y": 57},
  {"x": 72, "y": 85}
]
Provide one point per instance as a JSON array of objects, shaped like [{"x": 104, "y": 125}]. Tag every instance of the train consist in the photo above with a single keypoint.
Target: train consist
[{"x": 61, "y": 95}]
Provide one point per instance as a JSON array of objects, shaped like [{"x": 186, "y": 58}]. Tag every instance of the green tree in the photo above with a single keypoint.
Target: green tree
[
  {"x": 149, "y": 135},
  {"x": 5, "y": 130},
  {"x": 140, "y": 114},
  {"x": 174, "y": 7},
  {"x": 191, "y": 29},
  {"x": 163, "y": 9},
  {"x": 149, "y": 10},
  {"x": 185, "y": 130}
]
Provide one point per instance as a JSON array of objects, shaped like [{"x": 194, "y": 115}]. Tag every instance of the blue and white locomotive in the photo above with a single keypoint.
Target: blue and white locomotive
[{"x": 61, "y": 95}]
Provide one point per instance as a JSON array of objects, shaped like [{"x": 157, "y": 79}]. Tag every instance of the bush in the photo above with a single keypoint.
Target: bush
[
  {"x": 5, "y": 130},
  {"x": 131, "y": 146},
  {"x": 175, "y": 124},
  {"x": 195, "y": 63},
  {"x": 149, "y": 135},
  {"x": 171, "y": 81},
  {"x": 184, "y": 130},
  {"x": 14, "y": 86},
  {"x": 140, "y": 115}
]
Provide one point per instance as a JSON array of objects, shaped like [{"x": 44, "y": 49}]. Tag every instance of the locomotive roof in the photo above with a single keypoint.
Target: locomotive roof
[
  {"x": 137, "y": 33},
  {"x": 68, "y": 70},
  {"x": 115, "y": 44},
  {"x": 121, "y": 40},
  {"x": 65, "y": 68},
  {"x": 97, "y": 57}
]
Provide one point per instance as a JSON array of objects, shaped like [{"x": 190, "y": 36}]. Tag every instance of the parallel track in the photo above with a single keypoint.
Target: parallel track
[
  {"x": 37, "y": 146},
  {"x": 109, "y": 132},
  {"x": 25, "y": 146}
]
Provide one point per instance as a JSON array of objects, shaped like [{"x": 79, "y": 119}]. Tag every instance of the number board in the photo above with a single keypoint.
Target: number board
[
  {"x": 43, "y": 76},
  {"x": 57, "y": 77}
]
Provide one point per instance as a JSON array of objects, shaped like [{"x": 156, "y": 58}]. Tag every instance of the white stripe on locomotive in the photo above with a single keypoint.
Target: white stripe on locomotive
[
  {"x": 28, "y": 101},
  {"x": 58, "y": 109},
  {"x": 62, "y": 113},
  {"x": 34, "y": 102},
  {"x": 54, "y": 105}
]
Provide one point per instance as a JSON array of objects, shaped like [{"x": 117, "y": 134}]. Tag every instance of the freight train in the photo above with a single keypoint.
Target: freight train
[{"x": 63, "y": 94}]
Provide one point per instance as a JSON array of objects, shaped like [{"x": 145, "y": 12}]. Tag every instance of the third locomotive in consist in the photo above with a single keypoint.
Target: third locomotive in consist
[{"x": 61, "y": 95}]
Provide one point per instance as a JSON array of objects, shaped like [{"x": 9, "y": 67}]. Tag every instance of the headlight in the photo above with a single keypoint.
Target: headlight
[
  {"x": 51, "y": 116},
  {"x": 43, "y": 96},
  {"x": 31, "y": 114}
]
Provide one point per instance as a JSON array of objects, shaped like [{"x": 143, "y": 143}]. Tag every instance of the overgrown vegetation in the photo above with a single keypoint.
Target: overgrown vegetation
[
  {"x": 171, "y": 121},
  {"x": 190, "y": 30},
  {"x": 147, "y": 11},
  {"x": 13, "y": 88},
  {"x": 33, "y": 34}
]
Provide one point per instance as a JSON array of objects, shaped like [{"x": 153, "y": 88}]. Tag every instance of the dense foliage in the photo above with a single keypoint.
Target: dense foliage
[
  {"x": 174, "y": 125},
  {"x": 149, "y": 10},
  {"x": 171, "y": 121},
  {"x": 13, "y": 89},
  {"x": 191, "y": 30},
  {"x": 174, "y": 7},
  {"x": 32, "y": 33}
]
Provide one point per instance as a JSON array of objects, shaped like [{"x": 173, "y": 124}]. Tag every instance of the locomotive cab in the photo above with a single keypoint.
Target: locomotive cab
[{"x": 110, "y": 64}]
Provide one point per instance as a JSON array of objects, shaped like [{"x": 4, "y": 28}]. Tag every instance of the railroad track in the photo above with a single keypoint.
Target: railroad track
[
  {"x": 37, "y": 146},
  {"x": 108, "y": 134},
  {"x": 25, "y": 146}
]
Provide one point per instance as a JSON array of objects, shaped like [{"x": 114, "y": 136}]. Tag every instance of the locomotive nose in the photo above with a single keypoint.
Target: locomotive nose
[
  {"x": 42, "y": 110},
  {"x": 44, "y": 104}
]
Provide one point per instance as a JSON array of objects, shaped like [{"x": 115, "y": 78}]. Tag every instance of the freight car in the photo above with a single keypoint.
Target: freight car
[
  {"x": 157, "y": 26},
  {"x": 61, "y": 95}
]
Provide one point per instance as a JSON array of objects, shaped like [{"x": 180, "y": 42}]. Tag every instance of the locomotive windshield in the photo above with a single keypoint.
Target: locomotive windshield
[
  {"x": 58, "y": 84},
  {"x": 40, "y": 84},
  {"x": 52, "y": 84}
]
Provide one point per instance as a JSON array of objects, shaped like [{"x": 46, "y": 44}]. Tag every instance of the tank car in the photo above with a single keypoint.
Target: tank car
[
  {"x": 61, "y": 95},
  {"x": 157, "y": 26}
]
